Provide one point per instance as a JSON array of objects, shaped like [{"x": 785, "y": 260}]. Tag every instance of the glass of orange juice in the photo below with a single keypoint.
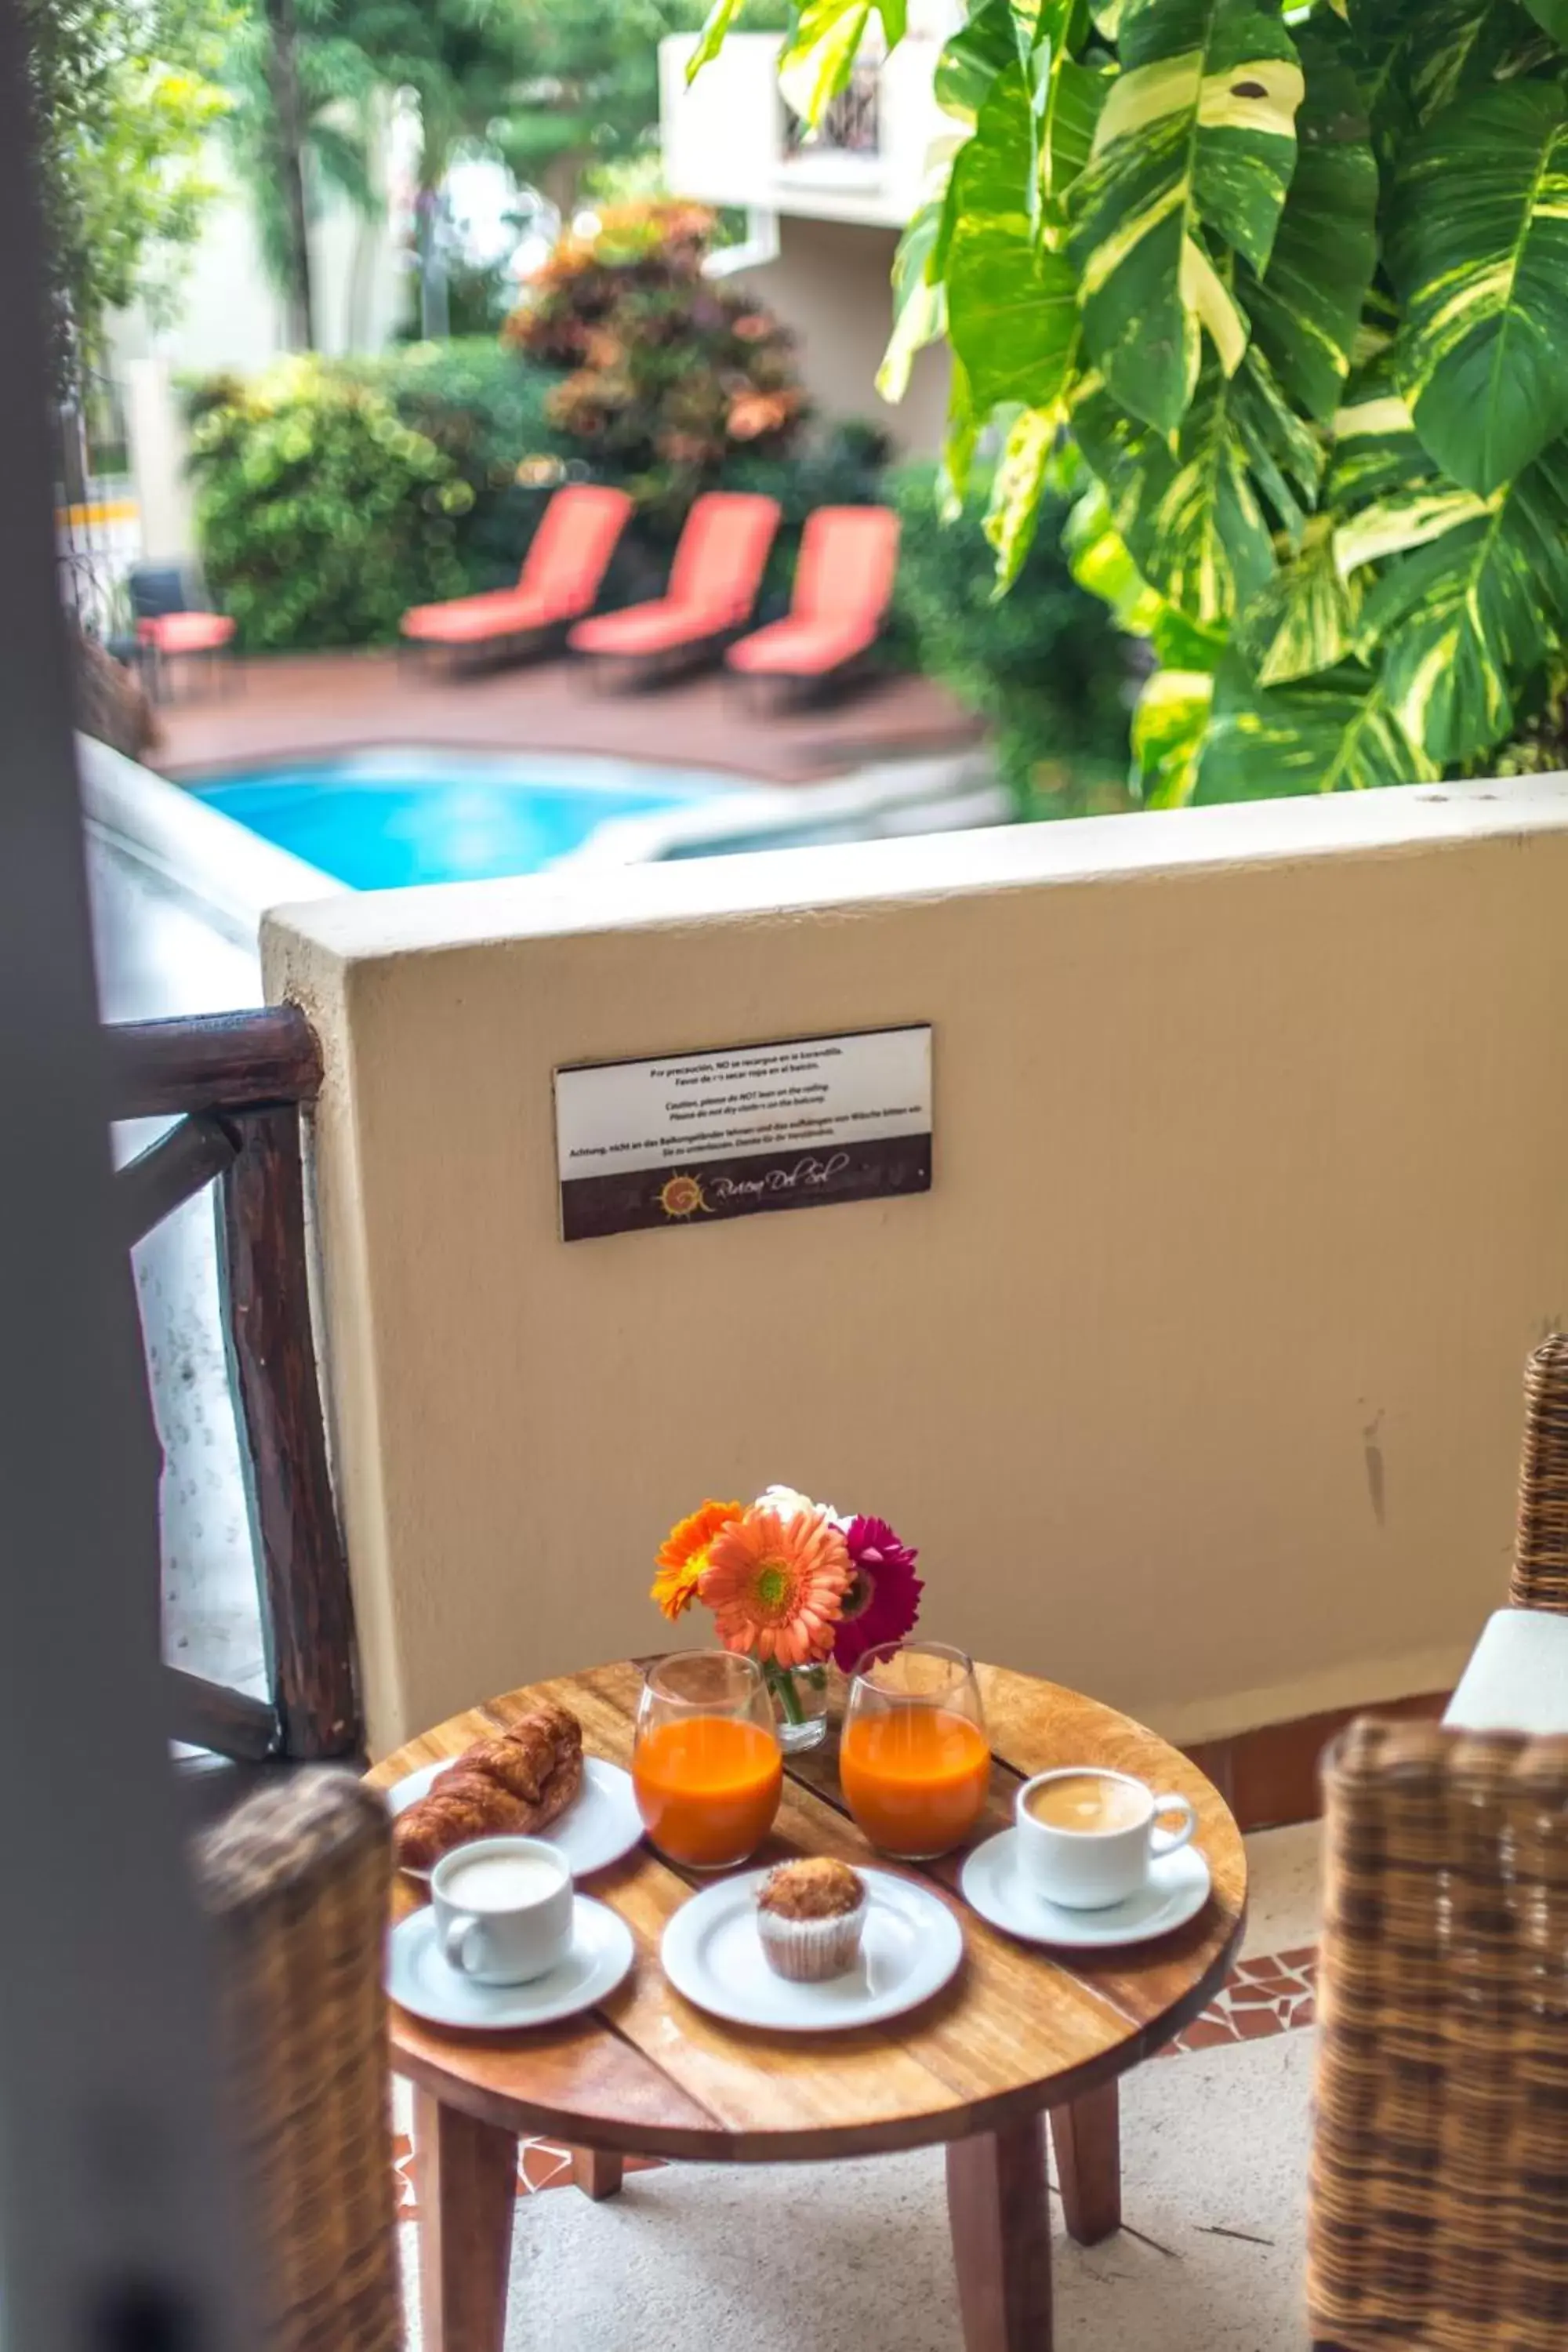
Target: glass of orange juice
[
  {"x": 913, "y": 1761},
  {"x": 706, "y": 1765}
]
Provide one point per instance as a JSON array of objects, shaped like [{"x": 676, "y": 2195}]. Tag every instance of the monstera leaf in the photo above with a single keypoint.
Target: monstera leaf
[
  {"x": 1326, "y": 734},
  {"x": 815, "y": 66},
  {"x": 1463, "y": 616},
  {"x": 1191, "y": 511},
  {"x": 1011, "y": 305},
  {"x": 1306, "y": 311},
  {"x": 1479, "y": 251},
  {"x": 1196, "y": 136}
]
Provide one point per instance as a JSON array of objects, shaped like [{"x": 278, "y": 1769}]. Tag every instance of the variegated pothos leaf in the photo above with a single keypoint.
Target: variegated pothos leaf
[
  {"x": 1190, "y": 510},
  {"x": 1478, "y": 248},
  {"x": 1196, "y": 142},
  {"x": 1016, "y": 488},
  {"x": 1306, "y": 311},
  {"x": 815, "y": 65},
  {"x": 1332, "y": 733},
  {"x": 1170, "y": 723},
  {"x": 1460, "y": 617},
  {"x": 1012, "y": 305}
]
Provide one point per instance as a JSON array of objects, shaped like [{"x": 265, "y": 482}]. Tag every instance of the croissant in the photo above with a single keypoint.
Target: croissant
[{"x": 514, "y": 1783}]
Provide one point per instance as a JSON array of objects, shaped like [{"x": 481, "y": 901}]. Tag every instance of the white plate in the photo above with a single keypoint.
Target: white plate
[
  {"x": 712, "y": 1952},
  {"x": 1176, "y": 1891},
  {"x": 600, "y": 1825},
  {"x": 419, "y": 1978}
]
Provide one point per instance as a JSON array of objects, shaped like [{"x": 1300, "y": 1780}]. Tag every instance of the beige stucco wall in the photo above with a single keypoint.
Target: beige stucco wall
[
  {"x": 1194, "y": 1377},
  {"x": 832, "y": 284}
]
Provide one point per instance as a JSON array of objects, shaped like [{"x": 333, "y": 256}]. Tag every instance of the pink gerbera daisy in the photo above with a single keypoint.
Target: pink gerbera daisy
[{"x": 884, "y": 1596}]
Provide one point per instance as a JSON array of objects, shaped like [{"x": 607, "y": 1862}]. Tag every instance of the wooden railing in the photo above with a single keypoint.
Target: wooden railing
[{"x": 235, "y": 1082}]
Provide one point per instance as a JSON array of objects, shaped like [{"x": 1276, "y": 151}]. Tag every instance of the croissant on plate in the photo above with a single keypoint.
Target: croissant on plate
[{"x": 515, "y": 1782}]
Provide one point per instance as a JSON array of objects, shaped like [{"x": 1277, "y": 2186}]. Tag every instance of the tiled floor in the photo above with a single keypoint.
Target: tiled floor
[{"x": 326, "y": 702}]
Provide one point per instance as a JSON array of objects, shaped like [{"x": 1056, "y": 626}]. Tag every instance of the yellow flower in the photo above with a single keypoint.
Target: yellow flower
[{"x": 683, "y": 1555}]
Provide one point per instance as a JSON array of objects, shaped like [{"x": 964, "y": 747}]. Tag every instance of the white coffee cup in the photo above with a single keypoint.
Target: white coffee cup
[
  {"x": 504, "y": 1908},
  {"x": 1097, "y": 1848}
]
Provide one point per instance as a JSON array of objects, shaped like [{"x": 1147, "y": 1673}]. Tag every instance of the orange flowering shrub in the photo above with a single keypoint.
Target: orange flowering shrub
[{"x": 670, "y": 371}]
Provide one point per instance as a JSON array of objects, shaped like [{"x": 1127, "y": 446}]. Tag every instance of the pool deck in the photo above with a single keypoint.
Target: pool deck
[{"x": 277, "y": 708}]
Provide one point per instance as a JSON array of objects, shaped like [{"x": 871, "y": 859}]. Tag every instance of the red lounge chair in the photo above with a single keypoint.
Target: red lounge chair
[
  {"x": 843, "y": 586},
  {"x": 566, "y": 560},
  {"x": 713, "y": 584}
]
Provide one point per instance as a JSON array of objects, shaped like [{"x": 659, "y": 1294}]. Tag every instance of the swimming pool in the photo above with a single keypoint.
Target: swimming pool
[{"x": 382, "y": 820}]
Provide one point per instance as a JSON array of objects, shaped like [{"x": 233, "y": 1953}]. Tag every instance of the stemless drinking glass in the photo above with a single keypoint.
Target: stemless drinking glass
[
  {"x": 705, "y": 1766},
  {"x": 913, "y": 1761}
]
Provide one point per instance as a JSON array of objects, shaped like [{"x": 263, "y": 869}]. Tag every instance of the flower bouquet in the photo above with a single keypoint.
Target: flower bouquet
[{"x": 791, "y": 1583}]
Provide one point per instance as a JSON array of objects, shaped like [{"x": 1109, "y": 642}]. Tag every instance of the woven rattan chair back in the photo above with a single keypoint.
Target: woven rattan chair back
[
  {"x": 294, "y": 1884},
  {"x": 1541, "y": 1552},
  {"x": 1438, "y": 2204}
]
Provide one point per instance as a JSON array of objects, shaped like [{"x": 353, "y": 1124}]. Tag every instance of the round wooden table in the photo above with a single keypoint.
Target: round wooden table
[{"x": 1018, "y": 2035}]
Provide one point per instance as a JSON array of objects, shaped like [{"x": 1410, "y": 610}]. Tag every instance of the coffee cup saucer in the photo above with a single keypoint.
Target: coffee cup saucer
[
  {"x": 421, "y": 1980},
  {"x": 993, "y": 1883}
]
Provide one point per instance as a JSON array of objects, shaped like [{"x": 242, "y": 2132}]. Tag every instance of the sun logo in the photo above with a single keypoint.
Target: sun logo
[{"x": 683, "y": 1196}]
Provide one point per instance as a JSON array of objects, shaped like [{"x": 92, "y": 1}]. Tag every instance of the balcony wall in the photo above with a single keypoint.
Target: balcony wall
[
  {"x": 1195, "y": 1376},
  {"x": 724, "y": 139}
]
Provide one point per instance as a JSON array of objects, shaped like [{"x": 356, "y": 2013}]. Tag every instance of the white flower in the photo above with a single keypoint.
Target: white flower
[{"x": 789, "y": 1500}]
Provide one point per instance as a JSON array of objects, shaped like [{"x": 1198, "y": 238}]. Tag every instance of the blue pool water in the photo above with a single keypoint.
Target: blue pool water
[{"x": 380, "y": 821}]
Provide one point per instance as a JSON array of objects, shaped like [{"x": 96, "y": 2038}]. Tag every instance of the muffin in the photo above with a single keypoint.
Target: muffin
[{"x": 809, "y": 1916}]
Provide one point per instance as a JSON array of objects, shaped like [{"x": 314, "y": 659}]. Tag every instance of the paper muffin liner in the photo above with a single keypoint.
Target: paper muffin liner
[{"x": 808, "y": 1951}]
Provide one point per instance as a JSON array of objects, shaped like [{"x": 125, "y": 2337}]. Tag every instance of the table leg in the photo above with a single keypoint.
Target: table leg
[
  {"x": 1086, "y": 2136},
  {"x": 465, "y": 2175},
  {"x": 997, "y": 2206},
  {"x": 597, "y": 2172}
]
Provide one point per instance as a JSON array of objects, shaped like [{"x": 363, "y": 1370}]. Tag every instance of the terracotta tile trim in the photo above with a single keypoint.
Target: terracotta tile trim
[
  {"x": 1269, "y": 1777},
  {"x": 1267, "y": 1995}
]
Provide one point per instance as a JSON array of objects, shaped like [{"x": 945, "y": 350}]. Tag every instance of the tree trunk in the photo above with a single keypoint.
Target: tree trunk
[
  {"x": 283, "y": 75},
  {"x": 434, "y": 310}
]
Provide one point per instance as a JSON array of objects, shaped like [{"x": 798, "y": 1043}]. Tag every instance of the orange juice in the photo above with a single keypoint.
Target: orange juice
[
  {"x": 706, "y": 1788},
  {"x": 915, "y": 1776}
]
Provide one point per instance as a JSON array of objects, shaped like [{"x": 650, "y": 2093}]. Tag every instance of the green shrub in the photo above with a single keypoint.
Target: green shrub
[
  {"x": 1042, "y": 663},
  {"x": 332, "y": 495}
]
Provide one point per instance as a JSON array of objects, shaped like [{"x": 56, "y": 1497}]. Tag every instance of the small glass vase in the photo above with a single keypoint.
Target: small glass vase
[{"x": 800, "y": 1705}]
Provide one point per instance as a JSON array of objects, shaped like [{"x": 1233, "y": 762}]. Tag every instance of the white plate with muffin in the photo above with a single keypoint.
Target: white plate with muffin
[
  {"x": 811, "y": 1947},
  {"x": 530, "y": 1778}
]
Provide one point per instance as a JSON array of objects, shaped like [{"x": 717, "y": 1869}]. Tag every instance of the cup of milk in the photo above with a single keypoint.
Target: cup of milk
[{"x": 503, "y": 1909}]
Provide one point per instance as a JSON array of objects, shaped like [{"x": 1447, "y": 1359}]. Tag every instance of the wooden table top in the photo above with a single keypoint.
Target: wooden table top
[{"x": 1017, "y": 2030}]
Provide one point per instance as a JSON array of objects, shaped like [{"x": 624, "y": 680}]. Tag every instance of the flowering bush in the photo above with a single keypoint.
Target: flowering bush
[
  {"x": 670, "y": 372},
  {"x": 791, "y": 1582}
]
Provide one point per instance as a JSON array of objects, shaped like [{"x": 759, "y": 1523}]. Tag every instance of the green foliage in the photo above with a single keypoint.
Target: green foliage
[
  {"x": 1042, "y": 663},
  {"x": 588, "y": 97},
  {"x": 330, "y": 497},
  {"x": 124, "y": 92},
  {"x": 1295, "y": 283},
  {"x": 670, "y": 372}
]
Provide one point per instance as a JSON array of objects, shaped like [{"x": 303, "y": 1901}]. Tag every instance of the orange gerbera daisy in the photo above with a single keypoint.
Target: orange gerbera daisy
[
  {"x": 683, "y": 1555},
  {"x": 776, "y": 1585}
]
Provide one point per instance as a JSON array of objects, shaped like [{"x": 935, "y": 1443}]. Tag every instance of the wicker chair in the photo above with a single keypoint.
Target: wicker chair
[
  {"x": 294, "y": 1882},
  {"x": 1541, "y": 1550},
  {"x": 1438, "y": 2203},
  {"x": 1439, "y": 2208}
]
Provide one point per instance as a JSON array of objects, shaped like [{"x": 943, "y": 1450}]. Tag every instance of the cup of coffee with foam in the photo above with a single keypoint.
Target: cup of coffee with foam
[
  {"x": 504, "y": 1908},
  {"x": 1085, "y": 1836}
]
